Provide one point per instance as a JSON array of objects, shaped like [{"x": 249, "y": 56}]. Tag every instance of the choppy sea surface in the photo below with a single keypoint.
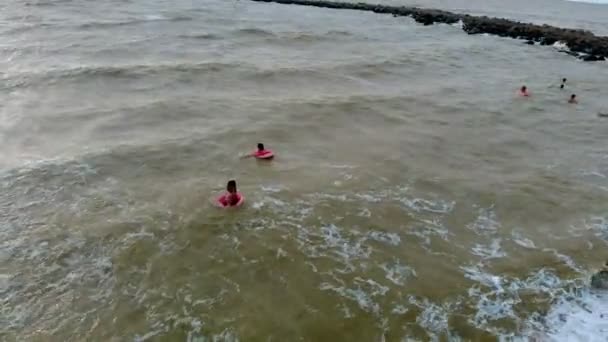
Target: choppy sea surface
[{"x": 414, "y": 196}]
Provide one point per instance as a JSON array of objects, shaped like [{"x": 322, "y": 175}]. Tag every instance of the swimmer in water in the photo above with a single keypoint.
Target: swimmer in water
[
  {"x": 260, "y": 153},
  {"x": 573, "y": 99},
  {"x": 563, "y": 83},
  {"x": 232, "y": 197},
  {"x": 523, "y": 91}
]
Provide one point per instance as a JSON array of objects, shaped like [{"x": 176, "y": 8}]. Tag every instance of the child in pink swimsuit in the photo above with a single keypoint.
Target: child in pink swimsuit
[{"x": 232, "y": 197}]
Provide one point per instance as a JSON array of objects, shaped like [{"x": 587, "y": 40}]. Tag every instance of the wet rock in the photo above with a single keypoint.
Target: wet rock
[
  {"x": 600, "y": 280},
  {"x": 593, "y": 48},
  {"x": 592, "y": 58}
]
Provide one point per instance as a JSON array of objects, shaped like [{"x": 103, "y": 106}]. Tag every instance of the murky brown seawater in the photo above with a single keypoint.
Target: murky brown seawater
[{"x": 413, "y": 194}]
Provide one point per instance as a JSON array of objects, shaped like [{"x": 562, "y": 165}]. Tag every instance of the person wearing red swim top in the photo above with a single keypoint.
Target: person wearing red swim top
[
  {"x": 523, "y": 91},
  {"x": 259, "y": 153},
  {"x": 232, "y": 198}
]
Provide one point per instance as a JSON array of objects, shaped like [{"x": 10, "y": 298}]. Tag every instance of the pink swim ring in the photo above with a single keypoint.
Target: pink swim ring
[
  {"x": 263, "y": 154},
  {"x": 222, "y": 201}
]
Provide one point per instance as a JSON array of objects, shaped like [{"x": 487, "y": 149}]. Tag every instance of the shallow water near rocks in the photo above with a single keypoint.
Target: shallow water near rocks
[{"x": 413, "y": 195}]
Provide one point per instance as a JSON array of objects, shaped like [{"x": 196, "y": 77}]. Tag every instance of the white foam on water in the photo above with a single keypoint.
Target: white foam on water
[
  {"x": 420, "y": 205},
  {"x": 281, "y": 253},
  {"x": 364, "y": 212},
  {"x": 565, "y": 259},
  {"x": 392, "y": 239},
  {"x": 155, "y": 17},
  {"x": 522, "y": 241},
  {"x": 599, "y": 226},
  {"x": 272, "y": 202},
  {"x": 325, "y": 196},
  {"x": 475, "y": 273},
  {"x": 491, "y": 251},
  {"x": 341, "y": 166},
  {"x": 428, "y": 229},
  {"x": 583, "y": 319},
  {"x": 372, "y": 198},
  {"x": 491, "y": 306},
  {"x": 399, "y": 310},
  {"x": 486, "y": 222},
  {"x": 561, "y": 45},
  {"x": 458, "y": 24},
  {"x": 592, "y": 173},
  {"x": 577, "y": 313},
  {"x": 342, "y": 246},
  {"x": 363, "y": 299},
  {"x": 433, "y": 318},
  {"x": 397, "y": 273},
  {"x": 272, "y": 188},
  {"x": 346, "y": 311}
]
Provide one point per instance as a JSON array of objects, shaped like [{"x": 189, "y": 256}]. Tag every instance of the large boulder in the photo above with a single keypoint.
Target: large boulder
[{"x": 600, "y": 280}]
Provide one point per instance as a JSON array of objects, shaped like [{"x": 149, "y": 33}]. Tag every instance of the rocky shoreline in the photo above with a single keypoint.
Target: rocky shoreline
[{"x": 581, "y": 44}]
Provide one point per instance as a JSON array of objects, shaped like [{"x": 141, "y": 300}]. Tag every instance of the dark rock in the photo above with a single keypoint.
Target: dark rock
[
  {"x": 594, "y": 47},
  {"x": 530, "y": 42},
  {"x": 592, "y": 58},
  {"x": 600, "y": 280},
  {"x": 571, "y": 53},
  {"x": 548, "y": 41}
]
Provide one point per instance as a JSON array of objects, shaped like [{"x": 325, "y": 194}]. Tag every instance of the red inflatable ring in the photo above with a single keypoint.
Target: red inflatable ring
[
  {"x": 264, "y": 154},
  {"x": 222, "y": 201}
]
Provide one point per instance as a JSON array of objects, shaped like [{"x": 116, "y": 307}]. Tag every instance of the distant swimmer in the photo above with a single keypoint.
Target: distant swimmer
[
  {"x": 563, "y": 83},
  {"x": 523, "y": 91},
  {"x": 232, "y": 198},
  {"x": 261, "y": 153},
  {"x": 573, "y": 99}
]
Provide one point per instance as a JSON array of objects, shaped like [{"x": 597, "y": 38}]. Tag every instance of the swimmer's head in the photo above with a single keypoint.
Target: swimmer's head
[
  {"x": 561, "y": 86},
  {"x": 523, "y": 89},
  {"x": 564, "y": 80},
  {"x": 573, "y": 97},
  {"x": 260, "y": 147},
  {"x": 231, "y": 186}
]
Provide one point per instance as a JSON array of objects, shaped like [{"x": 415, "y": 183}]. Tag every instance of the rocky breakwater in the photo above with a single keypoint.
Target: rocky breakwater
[
  {"x": 582, "y": 44},
  {"x": 599, "y": 280}
]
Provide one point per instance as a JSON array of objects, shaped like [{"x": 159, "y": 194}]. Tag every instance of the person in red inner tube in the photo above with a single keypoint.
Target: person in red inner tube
[
  {"x": 232, "y": 197},
  {"x": 261, "y": 153},
  {"x": 523, "y": 91}
]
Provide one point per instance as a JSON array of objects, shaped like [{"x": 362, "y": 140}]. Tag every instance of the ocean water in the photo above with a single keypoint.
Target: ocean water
[{"x": 414, "y": 196}]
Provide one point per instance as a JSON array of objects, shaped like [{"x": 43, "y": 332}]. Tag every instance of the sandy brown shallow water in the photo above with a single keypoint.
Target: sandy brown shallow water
[{"x": 413, "y": 194}]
